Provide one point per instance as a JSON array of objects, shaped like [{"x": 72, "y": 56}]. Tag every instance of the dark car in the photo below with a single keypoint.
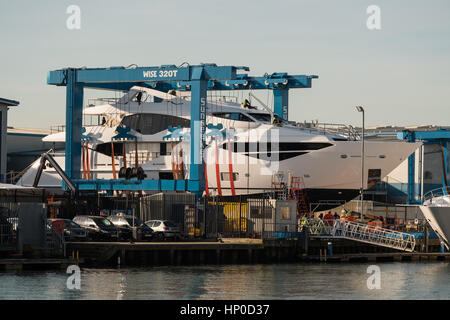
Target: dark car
[
  {"x": 98, "y": 228},
  {"x": 125, "y": 223},
  {"x": 71, "y": 230}
]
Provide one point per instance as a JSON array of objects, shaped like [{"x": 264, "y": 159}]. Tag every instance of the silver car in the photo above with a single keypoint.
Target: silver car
[{"x": 164, "y": 229}]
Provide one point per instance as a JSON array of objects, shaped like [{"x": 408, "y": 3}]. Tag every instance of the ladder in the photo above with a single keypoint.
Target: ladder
[
  {"x": 279, "y": 186},
  {"x": 297, "y": 192},
  {"x": 373, "y": 235}
]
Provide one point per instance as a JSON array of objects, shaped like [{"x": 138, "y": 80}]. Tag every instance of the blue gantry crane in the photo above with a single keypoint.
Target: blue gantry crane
[{"x": 197, "y": 79}]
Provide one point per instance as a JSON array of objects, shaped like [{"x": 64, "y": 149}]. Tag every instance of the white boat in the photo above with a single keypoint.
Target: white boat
[
  {"x": 258, "y": 153},
  {"x": 25, "y": 145},
  {"x": 436, "y": 210}
]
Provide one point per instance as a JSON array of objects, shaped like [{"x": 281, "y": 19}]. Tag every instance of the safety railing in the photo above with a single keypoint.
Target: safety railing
[
  {"x": 374, "y": 235},
  {"x": 100, "y": 101},
  {"x": 6, "y": 234},
  {"x": 438, "y": 197},
  {"x": 57, "y": 128},
  {"x": 317, "y": 227},
  {"x": 347, "y": 131}
]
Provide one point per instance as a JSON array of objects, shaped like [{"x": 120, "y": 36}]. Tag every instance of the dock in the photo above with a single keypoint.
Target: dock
[
  {"x": 34, "y": 264},
  {"x": 234, "y": 251},
  {"x": 224, "y": 251},
  {"x": 378, "y": 257}
]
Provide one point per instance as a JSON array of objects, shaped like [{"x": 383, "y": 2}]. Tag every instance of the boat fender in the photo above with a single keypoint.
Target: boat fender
[
  {"x": 134, "y": 172},
  {"x": 122, "y": 172},
  {"x": 141, "y": 174},
  {"x": 128, "y": 173}
]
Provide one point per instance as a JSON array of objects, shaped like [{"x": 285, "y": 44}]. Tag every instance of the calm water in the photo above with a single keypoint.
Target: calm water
[{"x": 286, "y": 281}]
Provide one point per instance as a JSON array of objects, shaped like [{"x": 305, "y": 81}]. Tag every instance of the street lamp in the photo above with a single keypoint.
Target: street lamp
[{"x": 361, "y": 109}]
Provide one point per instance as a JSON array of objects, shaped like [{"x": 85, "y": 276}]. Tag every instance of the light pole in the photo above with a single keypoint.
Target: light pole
[{"x": 361, "y": 109}]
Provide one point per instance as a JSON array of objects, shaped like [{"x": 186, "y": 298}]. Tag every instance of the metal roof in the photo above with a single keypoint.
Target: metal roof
[{"x": 9, "y": 103}]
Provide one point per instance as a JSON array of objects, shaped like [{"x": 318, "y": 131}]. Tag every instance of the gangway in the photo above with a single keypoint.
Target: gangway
[
  {"x": 362, "y": 232},
  {"x": 378, "y": 236}
]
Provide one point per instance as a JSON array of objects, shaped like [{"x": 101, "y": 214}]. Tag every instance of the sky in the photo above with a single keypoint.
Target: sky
[{"x": 400, "y": 74}]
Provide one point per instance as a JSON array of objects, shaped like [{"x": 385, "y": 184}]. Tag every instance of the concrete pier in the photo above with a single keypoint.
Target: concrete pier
[
  {"x": 227, "y": 251},
  {"x": 35, "y": 264},
  {"x": 232, "y": 251}
]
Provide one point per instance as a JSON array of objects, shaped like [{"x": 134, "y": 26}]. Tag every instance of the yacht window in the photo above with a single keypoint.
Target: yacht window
[
  {"x": 225, "y": 176},
  {"x": 373, "y": 177},
  {"x": 263, "y": 117},
  {"x": 105, "y": 148},
  {"x": 151, "y": 123},
  {"x": 163, "y": 149},
  {"x": 282, "y": 146},
  {"x": 233, "y": 116}
]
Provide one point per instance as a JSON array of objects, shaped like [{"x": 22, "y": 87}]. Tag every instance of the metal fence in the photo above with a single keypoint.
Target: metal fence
[
  {"x": 178, "y": 207},
  {"x": 8, "y": 224},
  {"x": 215, "y": 217},
  {"x": 54, "y": 240}
]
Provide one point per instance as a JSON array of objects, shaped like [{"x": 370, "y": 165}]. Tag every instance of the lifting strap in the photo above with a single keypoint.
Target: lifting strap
[
  {"x": 88, "y": 166},
  {"x": 124, "y": 155},
  {"x": 219, "y": 188},
  {"x": 113, "y": 161},
  {"x": 172, "y": 155},
  {"x": 444, "y": 171},
  {"x": 206, "y": 180},
  {"x": 84, "y": 160},
  {"x": 180, "y": 167},
  {"x": 136, "y": 153},
  {"x": 230, "y": 168}
]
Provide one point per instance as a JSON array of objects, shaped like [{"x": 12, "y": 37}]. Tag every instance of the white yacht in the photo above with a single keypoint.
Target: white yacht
[
  {"x": 248, "y": 150},
  {"x": 436, "y": 209}
]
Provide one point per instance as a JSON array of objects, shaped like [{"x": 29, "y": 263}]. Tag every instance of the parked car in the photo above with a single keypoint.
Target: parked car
[
  {"x": 71, "y": 230},
  {"x": 164, "y": 229},
  {"x": 98, "y": 228},
  {"x": 125, "y": 223}
]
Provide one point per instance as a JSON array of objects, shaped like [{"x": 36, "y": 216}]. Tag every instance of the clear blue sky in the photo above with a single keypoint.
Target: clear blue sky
[{"x": 400, "y": 74}]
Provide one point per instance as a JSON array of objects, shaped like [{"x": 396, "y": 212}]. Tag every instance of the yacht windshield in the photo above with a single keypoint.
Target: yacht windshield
[
  {"x": 262, "y": 117},
  {"x": 233, "y": 116},
  {"x": 151, "y": 123}
]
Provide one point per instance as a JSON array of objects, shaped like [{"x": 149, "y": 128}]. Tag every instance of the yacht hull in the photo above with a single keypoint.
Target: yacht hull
[
  {"x": 333, "y": 173},
  {"x": 439, "y": 220}
]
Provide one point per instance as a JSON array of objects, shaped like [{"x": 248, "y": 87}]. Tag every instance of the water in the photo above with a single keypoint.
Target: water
[{"x": 279, "y": 281}]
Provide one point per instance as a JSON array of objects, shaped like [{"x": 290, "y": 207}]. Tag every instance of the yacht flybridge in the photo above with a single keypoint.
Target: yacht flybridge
[{"x": 248, "y": 150}]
